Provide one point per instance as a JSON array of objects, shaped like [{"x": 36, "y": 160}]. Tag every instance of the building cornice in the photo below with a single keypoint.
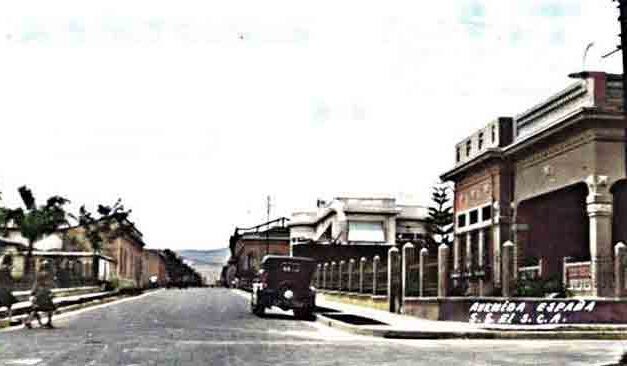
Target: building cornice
[
  {"x": 559, "y": 126},
  {"x": 554, "y": 102},
  {"x": 488, "y": 155}
]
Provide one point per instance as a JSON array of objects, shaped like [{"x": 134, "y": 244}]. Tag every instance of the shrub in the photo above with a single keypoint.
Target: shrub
[
  {"x": 113, "y": 284},
  {"x": 540, "y": 287}
]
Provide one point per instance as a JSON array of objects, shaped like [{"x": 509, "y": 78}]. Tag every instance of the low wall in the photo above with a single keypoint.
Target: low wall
[
  {"x": 59, "y": 292},
  {"x": 367, "y": 300},
  {"x": 427, "y": 308},
  {"x": 519, "y": 311}
]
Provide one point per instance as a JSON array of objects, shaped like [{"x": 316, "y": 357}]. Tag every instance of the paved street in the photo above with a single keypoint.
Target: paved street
[{"x": 214, "y": 327}]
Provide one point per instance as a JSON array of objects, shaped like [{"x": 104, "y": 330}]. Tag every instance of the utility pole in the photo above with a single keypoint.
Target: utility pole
[
  {"x": 622, "y": 6},
  {"x": 268, "y": 203},
  {"x": 622, "y": 18}
]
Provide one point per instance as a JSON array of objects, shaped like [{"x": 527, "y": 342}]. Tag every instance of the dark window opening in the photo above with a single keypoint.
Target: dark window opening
[
  {"x": 474, "y": 217},
  {"x": 457, "y": 155},
  {"x": 461, "y": 220},
  {"x": 486, "y": 213},
  {"x": 468, "y": 148},
  {"x": 493, "y": 133},
  {"x": 480, "y": 141}
]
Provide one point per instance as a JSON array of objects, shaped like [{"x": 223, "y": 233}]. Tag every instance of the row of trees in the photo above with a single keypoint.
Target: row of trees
[{"x": 35, "y": 221}]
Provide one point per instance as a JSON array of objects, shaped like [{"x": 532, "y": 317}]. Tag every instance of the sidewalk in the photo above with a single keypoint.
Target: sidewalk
[
  {"x": 63, "y": 303},
  {"x": 378, "y": 323}
]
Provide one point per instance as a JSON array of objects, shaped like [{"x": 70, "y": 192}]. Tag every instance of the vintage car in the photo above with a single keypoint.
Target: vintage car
[{"x": 284, "y": 282}]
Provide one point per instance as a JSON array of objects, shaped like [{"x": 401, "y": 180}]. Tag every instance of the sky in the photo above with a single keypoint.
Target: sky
[{"x": 193, "y": 112}]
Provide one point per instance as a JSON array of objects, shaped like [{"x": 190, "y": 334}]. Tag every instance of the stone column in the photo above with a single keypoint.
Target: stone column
[
  {"x": 542, "y": 264},
  {"x": 422, "y": 271},
  {"x": 407, "y": 260},
  {"x": 375, "y": 272},
  {"x": 514, "y": 238},
  {"x": 324, "y": 275},
  {"x": 390, "y": 229},
  {"x": 564, "y": 272},
  {"x": 331, "y": 276},
  {"x": 497, "y": 239},
  {"x": 468, "y": 251},
  {"x": 480, "y": 258},
  {"x": 620, "y": 254},
  {"x": 340, "y": 275},
  {"x": 508, "y": 267},
  {"x": 599, "y": 208},
  {"x": 362, "y": 264},
  {"x": 392, "y": 286},
  {"x": 457, "y": 257},
  {"x": 351, "y": 269},
  {"x": 443, "y": 271},
  {"x": 392, "y": 260}
]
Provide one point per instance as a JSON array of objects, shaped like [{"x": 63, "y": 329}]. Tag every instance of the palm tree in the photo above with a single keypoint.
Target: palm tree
[{"x": 34, "y": 222}]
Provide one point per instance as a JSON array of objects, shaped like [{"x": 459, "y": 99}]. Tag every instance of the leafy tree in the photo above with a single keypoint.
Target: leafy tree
[
  {"x": 34, "y": 222},
  {"x": 440, "y": 218},
  {"x": 102, "y": 226}
]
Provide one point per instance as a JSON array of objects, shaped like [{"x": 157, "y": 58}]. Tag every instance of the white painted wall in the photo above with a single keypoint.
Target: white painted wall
[{"x": 50, "y": 242}]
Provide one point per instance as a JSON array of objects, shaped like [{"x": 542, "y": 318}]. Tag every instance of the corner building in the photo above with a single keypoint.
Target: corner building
[{"x": 552, "y": 181}]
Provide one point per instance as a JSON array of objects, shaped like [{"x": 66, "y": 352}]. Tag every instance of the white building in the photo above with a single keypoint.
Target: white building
[{"x": 357, "y": 223}]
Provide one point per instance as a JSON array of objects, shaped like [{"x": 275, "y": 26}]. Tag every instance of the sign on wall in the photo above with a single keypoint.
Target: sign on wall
[{"x": 532, "y": 312}]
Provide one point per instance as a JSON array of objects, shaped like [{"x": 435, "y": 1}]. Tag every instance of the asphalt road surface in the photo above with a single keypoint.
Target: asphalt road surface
[{"x": 214, "y": 327}]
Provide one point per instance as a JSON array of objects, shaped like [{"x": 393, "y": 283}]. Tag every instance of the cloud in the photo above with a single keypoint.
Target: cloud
[
  {"x": 166, "y": 107},
  {"x": 556, "y": 8}
]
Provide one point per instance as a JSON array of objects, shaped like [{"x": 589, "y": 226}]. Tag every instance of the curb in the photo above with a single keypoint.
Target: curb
[
  {"x": 73, "y": 306},
  {"x": 487, "y": 334}
]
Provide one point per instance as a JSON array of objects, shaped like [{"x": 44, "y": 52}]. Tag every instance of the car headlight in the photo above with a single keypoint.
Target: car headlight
[{"x": 288, "y": 294}]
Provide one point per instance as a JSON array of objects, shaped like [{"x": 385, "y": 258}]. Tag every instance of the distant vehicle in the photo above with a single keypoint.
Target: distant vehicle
[{"x": 284, "y": 282}]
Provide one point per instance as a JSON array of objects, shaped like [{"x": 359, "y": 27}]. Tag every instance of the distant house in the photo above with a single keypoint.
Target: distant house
[
  {"x": 356, "y": 227},
  {"x": 249, "y": 246},
  {"x": 125, "y": 247},
  {"x": 72, "y": 266},
  {"x": 15, "y": 250},
  {"x": 154, "y": 266}
]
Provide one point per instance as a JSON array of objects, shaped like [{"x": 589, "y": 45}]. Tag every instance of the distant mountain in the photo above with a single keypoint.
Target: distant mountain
[
  {"x": 215, "y": 256},
  {"x": 208, "y": 263}
]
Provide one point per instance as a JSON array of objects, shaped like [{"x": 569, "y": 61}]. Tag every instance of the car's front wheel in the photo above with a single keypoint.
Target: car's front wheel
[{"x": 256, "y": 307}]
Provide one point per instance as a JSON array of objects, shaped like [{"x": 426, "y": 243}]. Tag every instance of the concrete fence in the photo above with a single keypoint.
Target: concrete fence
[
  {"x": 428, "y": 275},
  {"x": 353, "y": 275}
]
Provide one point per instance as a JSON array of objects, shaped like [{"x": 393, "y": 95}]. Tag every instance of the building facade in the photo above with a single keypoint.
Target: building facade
[
  {"x": 249, "y": 245},
  {"x": 154, "y": 267},
  {"x": 124, "y": 244},
  {"x": 552, "y": 181},
  {"x": 356, "y": 227}
]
